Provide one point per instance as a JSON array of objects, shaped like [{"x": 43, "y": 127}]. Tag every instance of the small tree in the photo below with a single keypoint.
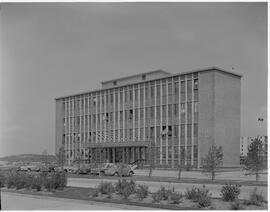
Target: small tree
[
  {"x": 45, "y": 157},
  {"x": 61, "y": 157},
  {"x": 152, "y": 156},
  {"x": 181, "y": 164},
  {"x": 212, "y": 161},
  {"x": 254, "y": 162}
]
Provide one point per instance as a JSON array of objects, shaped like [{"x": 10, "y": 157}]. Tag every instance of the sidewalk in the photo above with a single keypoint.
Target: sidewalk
[{"x": 16, "y": 201}]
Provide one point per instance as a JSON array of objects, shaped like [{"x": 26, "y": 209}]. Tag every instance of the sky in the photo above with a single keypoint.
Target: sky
[{"x": 55, "y": 49}]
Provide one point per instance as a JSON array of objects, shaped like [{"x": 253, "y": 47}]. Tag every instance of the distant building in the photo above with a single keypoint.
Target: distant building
[{"x": 182, "y": 114}]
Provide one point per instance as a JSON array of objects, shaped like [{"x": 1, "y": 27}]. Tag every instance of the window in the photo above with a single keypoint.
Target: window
[
  {"x": 176, "y": 88},
  {"x": 136, "y": 95},
  {"x": 170, "y": 110},
  {"x": 196, "y": 109},
  {"x": 195, "y": 132},
  {"x": 130, "y": 95},
  {"x": 152, "y": 112},
  {"x": 182, "y": 131},
  {"x": 183, "y": 87},
  {"x": 163, "y": 89},
  {"x": 152, "y": 92},
  {"x": 182, "y": 108},
  {"x": 189, "y": 130},
  {"x": 195, "y": 84},
  {"x": 143, "y": 77},
  {"x": 115, "y": 83},
  {"x": 170, "y": 89},
  {"x": 176, "y": 113},
  {"x": 158, "y": 91}
]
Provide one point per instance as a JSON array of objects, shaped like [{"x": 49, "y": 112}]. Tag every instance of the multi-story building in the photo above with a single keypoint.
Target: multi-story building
[{"x": 179, "y": 115}]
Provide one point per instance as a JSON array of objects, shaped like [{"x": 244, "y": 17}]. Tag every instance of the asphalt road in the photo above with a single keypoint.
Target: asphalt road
[
  {"x": 180, "y": 187},
  {"x": 15, "y": 201}
]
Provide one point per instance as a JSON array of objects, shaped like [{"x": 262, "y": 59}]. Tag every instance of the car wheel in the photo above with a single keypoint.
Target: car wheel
[{"x": 131, "y": 173}]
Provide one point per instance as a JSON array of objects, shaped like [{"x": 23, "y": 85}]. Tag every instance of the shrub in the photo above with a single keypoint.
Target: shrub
[
  {"x": 106, "y": 188},
  {"x": 196, "y": 194},
  {"x": 121, "y": 187},
  {"x": 11, "y": 179},
  {"x": 157, "y": 196},
  {"x": 165, "y": 193},
  {"x": 236, "y": 205},
  {"x": 176, "y": 197},
  {"x": 48, "y": 182},
  {"x": 230, "y": 192},
  {"x": 204, "y": 201},
  {"x": 255, "y": 198},
  {"x": 95, "y": 194},
  {"x": 2, "y": 180},
  {"x": 59, "y": 180},
  {"x": 20, "y": 180},
  {"x": 36, "y": 183},
  {"x": 142, "y": 192}
]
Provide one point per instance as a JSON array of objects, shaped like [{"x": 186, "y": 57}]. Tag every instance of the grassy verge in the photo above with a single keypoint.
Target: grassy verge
[{"x": 174, "y": 180}]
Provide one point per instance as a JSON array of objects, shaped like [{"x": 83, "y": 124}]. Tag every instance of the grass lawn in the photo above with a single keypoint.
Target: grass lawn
[{"x": 173, "y": 180}]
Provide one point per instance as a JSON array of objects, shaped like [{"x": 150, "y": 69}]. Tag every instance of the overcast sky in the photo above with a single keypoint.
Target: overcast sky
[{"x": 54, "y": 49}]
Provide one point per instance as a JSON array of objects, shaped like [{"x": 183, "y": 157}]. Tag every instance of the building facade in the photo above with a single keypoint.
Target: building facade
[{"x": 176, "y": 116}]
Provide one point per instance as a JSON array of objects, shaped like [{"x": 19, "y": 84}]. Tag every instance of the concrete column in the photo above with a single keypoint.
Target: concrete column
[
  {"x": 113, "y": 149},
  {"x": 123, "y": 155},
  {"x": 128, "y": 155},
  {"x": 109, "y": 154},
  {"x": 132, "y": 154}
]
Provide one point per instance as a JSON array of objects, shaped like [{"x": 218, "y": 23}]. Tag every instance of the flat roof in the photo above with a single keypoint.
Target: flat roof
[
  {"x": 171, "y": 75},
  {"x": 135, "y": 75}
]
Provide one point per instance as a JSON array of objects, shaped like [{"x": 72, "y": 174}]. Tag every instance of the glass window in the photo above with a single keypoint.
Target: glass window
[
  {"x": 176, "y": 112},
  {"x": 183, "y": 87},
  {"x": 182, "y": 108},
  {"x": 195, "y": 84},
  {"x": 158, "y": 91},
  {"x": 195, "y": 132},
  {"x": 170, "y": 89}
]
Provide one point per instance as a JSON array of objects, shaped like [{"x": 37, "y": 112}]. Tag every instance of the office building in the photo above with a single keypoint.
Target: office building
[{"x": 177, "y": 116}]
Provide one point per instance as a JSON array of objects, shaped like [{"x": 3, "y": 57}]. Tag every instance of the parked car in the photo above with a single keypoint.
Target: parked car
[
  {"x": 116, "y": 169},
  {"x": 84, "y": 169},
  {"x": 48, "y": 168},
  {"x": 70, "y": 169},
  {"x": 29, "y": 168}
]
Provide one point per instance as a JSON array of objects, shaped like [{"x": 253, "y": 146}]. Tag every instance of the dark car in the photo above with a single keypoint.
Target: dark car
[{"x": 84, "y": 169}]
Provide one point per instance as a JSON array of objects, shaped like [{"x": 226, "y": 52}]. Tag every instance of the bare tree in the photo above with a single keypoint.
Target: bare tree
[
  {"x": 60, "y": 156},
  {"x": 152, "y": 156},
  {"x": 254, "y": 162},
  {"x": 212, "y": 161},
  {"x": 181, "y": 165}
]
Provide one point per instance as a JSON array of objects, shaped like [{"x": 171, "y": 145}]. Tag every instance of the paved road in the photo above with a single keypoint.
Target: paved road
[
  {"x": 232, "y": 175},
  {"x": 154, "y": 186},
  {"x": 15, "y": 201}
]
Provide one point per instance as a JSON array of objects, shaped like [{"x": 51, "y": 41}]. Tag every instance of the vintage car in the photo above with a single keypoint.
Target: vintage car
[
  {"x": 84, "y": 169},
  {"x": 116, "y": 169},
  {"x": 71, "y": 169}
]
